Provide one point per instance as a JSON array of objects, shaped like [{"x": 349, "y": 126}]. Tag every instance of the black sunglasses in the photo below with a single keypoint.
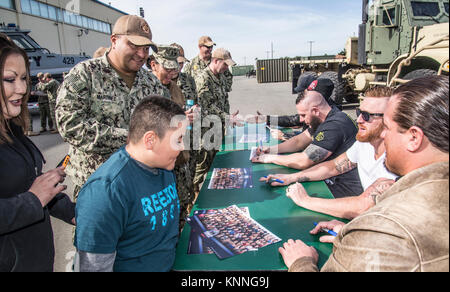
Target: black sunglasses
[{"x": 366, "y": 115}]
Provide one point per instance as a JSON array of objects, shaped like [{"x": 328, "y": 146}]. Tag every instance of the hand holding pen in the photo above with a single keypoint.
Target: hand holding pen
[
  {"x": 277, "y": 180},
  {"x": 331, "y": 227}
]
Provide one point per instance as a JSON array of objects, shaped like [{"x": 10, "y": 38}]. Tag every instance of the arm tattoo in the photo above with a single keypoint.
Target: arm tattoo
[
  {"x": 316, "y": 154},
  {"x": 344, "y": 165},
  {"x": 303, "y": 179}
]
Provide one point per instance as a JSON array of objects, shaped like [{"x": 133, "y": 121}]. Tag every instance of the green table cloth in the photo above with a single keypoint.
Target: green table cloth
[{"x": 269, "y": 206}]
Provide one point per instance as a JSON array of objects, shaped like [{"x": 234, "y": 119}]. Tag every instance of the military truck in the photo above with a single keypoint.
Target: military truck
[
  {"x": 41, "y": 59},
  {"x": 399, "y": 40}
]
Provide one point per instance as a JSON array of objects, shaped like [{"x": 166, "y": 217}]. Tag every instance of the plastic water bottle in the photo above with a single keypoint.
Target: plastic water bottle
[{"x": 189, "y": 105}]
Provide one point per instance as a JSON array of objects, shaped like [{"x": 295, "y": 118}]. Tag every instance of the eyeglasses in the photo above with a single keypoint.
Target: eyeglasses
[
  {"x": 366, "y": 115},
  {"x": 208, "y": 47}
]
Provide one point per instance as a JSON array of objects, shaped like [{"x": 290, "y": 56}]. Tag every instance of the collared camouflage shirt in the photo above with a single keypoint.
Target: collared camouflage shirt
[
  {"x": 51, "y": 88},
  {"x": 93, "y": 112},
  {"x": 212, "y": 95},
  {"x": 187, "y": 86},
  {"x": 197, "y": 65}
]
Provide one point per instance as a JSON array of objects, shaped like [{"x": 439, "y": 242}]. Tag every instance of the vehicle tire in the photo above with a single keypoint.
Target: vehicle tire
[
  {"x": 339, "y": 86},
  {"x": 419, "y": 73}
]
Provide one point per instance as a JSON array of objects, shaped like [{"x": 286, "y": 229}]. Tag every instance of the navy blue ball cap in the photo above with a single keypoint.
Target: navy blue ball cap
[
  {"x": 304, "y": 82},
  {"x": 324, "y": 86}
]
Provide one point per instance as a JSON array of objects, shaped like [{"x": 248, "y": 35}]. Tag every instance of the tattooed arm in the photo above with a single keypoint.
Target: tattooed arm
[
  {"x": 321, "y": 171},
  {"x": 348, "y": 207},
  {"x": 311, "y": 156}
]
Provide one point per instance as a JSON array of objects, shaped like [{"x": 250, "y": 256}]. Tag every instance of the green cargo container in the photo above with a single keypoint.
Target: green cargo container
[
  {"x": 272, "y": 70},
  {"x": 241, "y": 70}
]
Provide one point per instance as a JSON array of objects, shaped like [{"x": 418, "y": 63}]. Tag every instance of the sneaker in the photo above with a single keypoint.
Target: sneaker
[
  {"x": 54, "y": 131},
  {"x": 43, "y": 130}
]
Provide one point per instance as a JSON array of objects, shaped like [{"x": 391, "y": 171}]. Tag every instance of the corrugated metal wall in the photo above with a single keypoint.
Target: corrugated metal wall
[
  {"x": 241, "y": 70},
  {"x": 273, "y": 70}
]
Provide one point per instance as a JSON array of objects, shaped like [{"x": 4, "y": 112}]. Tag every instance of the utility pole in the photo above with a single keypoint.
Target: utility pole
[
  {"x": 267, "y": 52},
  {"x": 310, "y": 48},
  {"x": 271, "y": 44}
]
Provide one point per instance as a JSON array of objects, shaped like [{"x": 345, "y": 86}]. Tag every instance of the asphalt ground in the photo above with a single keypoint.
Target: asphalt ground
[{"x": 247, "y": 96}]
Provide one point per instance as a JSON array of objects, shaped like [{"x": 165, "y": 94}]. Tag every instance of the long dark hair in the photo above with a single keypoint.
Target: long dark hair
[{"x": 8, "y": 48}]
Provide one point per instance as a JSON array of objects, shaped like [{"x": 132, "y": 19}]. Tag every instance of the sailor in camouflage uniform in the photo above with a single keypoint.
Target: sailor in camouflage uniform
[
  {"x": 189, "y": 89},
  {"x": 213, "y": 100},
  {"x": 51, "y": 87},
  {"x": 164, "y": 64},
  {"x": 98, "y": 96},
  {"x": 184, "y": 81},
  {"x": 203, "y": 59},
  {"x": 44, "y": 107}
]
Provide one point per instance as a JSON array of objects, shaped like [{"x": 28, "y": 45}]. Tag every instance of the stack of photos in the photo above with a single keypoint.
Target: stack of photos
[
  {"x": 231, "y": 178},
  {"x": 227, "y": 232}
]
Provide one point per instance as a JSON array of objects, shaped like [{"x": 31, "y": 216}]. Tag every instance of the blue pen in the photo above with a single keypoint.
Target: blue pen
[
  {"x": 276, "y": 180},
  {"x": 327, "y": 230}
]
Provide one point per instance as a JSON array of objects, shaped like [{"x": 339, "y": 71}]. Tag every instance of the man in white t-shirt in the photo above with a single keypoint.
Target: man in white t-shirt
[{"x": 367, "y": 154}]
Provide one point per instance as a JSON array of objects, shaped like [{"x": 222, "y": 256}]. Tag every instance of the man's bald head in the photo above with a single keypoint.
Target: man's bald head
[
  {"x": 312, "y": 108},
  {"x": 310, "y": 99}
]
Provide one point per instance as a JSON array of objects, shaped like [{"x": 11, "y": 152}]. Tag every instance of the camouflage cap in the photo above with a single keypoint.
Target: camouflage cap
[
  {"x": 223, "y": 54},
  {"x": 136, "y": 29},
  {"x": 167, "y": 56},
  {"x": 206, "y": 41},
  {"x": 181, "y": 58}
]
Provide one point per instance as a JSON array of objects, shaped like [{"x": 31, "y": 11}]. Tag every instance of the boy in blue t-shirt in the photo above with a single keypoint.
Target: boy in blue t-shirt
[{"x": 127, "y": 213}]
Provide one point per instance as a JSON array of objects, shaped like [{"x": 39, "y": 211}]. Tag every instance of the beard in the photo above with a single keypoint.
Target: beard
[
  {"x": 371, "y": 135},
  {"x": 315, "y": 123}
]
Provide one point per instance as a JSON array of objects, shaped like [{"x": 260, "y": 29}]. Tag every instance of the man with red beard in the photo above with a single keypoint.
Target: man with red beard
[
  {"x": 407, "y": 229},
  {"x": 367, "y": 155}
]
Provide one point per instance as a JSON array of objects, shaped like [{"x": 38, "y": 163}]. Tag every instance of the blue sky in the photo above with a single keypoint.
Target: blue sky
[{"x": 248, "y": 27}]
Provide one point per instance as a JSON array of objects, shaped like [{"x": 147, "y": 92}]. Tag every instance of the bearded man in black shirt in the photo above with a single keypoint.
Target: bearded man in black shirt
[{"x": 331, "y": 132}]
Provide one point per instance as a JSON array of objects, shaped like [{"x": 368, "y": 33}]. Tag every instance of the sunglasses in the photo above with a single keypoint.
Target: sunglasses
[{"x": 366, "y": 115}]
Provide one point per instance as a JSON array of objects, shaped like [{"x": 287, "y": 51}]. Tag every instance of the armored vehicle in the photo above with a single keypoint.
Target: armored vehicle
[
  {"x": 399, "y": 40},
  {"x": 41, "y": 59}
]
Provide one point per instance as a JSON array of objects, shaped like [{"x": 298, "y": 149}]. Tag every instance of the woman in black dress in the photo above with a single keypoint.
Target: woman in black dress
[{"x": 27, "y": 197}]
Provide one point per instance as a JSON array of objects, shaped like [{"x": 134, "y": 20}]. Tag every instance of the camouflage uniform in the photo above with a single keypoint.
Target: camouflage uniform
[
  {"x": 228, "y": 80},
  {"x": 93, "y": 111},
  {"x": 213, "y": 100},
  {"x": 194, "y": 69},
  {"x": 183, "y": 166},
  {"x": 167, "y": 57},
  {"x": 187, "y": 86},
  {"x": 197, "y": 65},
  {"x": 51, "y": 88},
  {"x": 44, "y": 108}
]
